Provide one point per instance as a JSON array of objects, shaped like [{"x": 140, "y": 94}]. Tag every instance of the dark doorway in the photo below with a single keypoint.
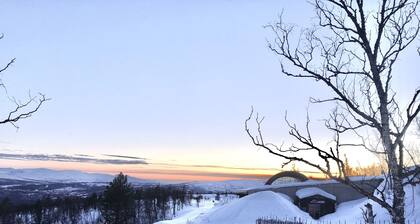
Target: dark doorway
[{"x": 314, "y": 209}]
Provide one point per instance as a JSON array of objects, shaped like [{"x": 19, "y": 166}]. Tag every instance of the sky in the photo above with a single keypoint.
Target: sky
[{"x": 156, "y": 89}]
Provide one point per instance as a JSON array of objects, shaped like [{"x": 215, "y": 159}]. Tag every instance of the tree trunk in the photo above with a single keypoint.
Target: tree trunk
[
  {"x": 393, "y": 162},
  {"x": 398, "y": 201},
  {"x": 397, "y": 188}
]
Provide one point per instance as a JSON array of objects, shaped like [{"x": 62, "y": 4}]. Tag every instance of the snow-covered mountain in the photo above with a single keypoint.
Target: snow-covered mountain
[{"x": 49, "y": 175}]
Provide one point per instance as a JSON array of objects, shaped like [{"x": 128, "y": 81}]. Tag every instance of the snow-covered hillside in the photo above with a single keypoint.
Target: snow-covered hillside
[{"x": 49, "y": 175}]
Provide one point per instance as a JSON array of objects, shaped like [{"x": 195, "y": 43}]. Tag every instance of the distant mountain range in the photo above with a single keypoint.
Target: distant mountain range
[
  {"x": 228, "y": 186},
  {"x": 43, "y": 175},
  {"x": 68, "y": 176},
  {"x": 24, "y": 185}
]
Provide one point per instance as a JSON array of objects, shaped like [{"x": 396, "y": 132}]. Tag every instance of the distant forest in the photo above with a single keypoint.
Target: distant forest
[{"x": 120, "y": 203}]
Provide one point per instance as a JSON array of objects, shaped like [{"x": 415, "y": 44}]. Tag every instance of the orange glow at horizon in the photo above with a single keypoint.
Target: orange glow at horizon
[{"x": 149, "y": 172}]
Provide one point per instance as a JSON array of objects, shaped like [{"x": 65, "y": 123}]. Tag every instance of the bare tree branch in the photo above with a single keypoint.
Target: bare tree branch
[
  {"x": 21, "y": 110},
  {"x": 360, "y": 80}
]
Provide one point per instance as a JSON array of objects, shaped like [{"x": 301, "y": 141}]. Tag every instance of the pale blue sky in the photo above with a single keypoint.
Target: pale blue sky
[{"x": 165, "y": 80}]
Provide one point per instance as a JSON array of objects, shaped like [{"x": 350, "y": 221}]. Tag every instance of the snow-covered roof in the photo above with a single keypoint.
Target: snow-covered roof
[
  {"x": 306, "y": 183},
  {"x": 311, "y": 191}
]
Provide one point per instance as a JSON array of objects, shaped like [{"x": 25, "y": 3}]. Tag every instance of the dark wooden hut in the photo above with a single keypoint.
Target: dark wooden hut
[{"x": 315, "y": 201}]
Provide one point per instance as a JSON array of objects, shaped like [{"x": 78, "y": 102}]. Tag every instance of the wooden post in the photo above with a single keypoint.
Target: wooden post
[{"x": 368, "y": 215}]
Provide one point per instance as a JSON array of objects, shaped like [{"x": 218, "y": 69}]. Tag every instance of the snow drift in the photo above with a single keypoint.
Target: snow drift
[{"x": 249, "y": 208}]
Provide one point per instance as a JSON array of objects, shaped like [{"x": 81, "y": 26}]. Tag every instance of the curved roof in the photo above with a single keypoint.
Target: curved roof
[{"x": 292, "y": 174}]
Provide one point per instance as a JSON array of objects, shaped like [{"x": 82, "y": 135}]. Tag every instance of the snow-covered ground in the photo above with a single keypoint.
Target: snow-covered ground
[
  {"x": 351, "y": 211},
  {"x": 268, "y": 204},
  {"x": 189, "y": 213}
]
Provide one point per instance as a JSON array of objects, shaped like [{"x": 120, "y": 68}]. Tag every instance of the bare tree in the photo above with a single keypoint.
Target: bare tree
[
  {"x": 19, "y": 109},
  {"x": 352, "y": 51}
]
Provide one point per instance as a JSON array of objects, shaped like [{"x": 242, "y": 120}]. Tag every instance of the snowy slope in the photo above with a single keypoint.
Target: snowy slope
[
  {"x": 41, "y": 174},
  {"x": 249, "y": 208}
]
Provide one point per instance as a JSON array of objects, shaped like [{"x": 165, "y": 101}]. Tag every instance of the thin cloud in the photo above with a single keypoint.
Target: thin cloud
[
  {"x": 83, "y": 155},
  {"x": 122, "y": 156},
  {"x": 214, "y": 166},
  {"x": 193, "y": 173},
  {"x": 67, "y": 158}
]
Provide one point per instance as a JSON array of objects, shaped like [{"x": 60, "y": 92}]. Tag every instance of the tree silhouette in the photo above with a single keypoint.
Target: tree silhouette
[{"x": 118, "y": 205}]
